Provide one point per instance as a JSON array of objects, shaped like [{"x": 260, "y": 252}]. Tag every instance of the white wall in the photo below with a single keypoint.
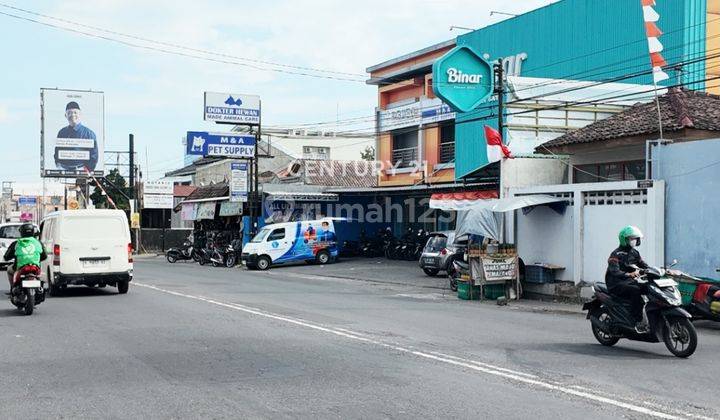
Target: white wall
[
  {"x": 522, "y": 172},
  {"x": 583, "y": 239},
  {"x": 341, "y": 148}
]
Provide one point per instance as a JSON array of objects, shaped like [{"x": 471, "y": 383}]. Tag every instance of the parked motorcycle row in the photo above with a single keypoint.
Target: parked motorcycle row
[
  {"x": 216, "y": 251},
  {"x": 408, "y": 247}
]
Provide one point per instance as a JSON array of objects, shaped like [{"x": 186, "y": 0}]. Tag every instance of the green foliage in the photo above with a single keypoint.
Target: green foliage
[{"x": 101, "y": 201}]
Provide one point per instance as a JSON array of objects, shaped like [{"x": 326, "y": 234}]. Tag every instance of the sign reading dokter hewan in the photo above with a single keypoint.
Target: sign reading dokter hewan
[{"x": 233, "y": 108}]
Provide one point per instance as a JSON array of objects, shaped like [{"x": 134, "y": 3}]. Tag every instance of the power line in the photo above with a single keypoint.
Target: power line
[
  {"x": 169, "y": 44},
  {"x": 178, "y": 53}
]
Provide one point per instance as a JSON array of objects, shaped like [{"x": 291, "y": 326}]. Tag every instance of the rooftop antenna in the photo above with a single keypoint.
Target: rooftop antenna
[
  {"x": 495, "y": 12},
  {"x": 461, "y": 27}
]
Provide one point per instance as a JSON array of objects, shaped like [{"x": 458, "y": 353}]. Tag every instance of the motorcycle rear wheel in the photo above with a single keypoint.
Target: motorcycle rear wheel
[
  {"x": 602, "y": 337},
  {"x": 230, "y": 261},
  {"x": 680, "y": 337},
  {"x": 29, "y": 302},
  {"x": 171, "y": 258}
]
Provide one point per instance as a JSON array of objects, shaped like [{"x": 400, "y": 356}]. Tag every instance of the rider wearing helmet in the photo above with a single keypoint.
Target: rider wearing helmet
[
  {"x": 25, "y": 251},
  {"x": 622, "y": 270}
]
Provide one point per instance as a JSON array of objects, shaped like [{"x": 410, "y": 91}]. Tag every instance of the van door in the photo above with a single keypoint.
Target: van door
[
  {"x": 94, "y": 243},
  {"x": 278, "y": 243}
]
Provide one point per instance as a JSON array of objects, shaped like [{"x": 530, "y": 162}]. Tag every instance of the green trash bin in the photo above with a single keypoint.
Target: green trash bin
[
  {"x": 468, "y": 292},
  {"x": 687, "y": 290},
  {"x": 494, "y": 291}
]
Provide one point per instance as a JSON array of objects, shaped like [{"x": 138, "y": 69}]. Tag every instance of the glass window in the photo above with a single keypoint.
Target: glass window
[
  {"x": 260, "y": 236},
  {"x": 635, "y": 170},
  {"x": 610, "y": 172},
  {"x": 276, "y": 235},
  {"x": 436, "y": 243},
  {"x": 405, "y": 140},
  {"x": 585, "y": 173},
  {"x": 10, "y": 232}
]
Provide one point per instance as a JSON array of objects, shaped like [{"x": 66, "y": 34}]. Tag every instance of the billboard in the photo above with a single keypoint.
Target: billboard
[
  {"x": 238, "y": 182},
  {"x": 72, "y": 133},
  {"x": 158, "y": 187},
  {"x": 232, "y": 108}
]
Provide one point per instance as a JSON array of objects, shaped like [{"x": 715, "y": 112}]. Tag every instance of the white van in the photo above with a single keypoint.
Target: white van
[
  {"x": 89, "y": 247},
  {"x": 310, "y": 240}
]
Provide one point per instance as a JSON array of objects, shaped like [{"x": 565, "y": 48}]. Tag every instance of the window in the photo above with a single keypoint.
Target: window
[
  {"x": 260, "y": 235},
  {"x": 316, "y": 152},
  {"x": 608, "y": 172},
  {"x": 404, "y": 146},
  {"x": 10, "y": 232},
  {"x": 276, "y": 235},
  {"x": 447, "y": 142}
]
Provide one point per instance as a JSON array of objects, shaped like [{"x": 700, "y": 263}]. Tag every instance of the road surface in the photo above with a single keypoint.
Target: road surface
[{"x": 202, "y": 342}]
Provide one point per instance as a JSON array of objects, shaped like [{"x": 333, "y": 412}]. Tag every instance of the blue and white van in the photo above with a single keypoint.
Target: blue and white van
[{"x": 310, "y": 240}]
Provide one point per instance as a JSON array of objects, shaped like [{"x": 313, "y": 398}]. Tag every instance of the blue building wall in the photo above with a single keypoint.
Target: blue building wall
[
  {"x": 692, "y": 174},
  {"x": 581, "y": 40}
]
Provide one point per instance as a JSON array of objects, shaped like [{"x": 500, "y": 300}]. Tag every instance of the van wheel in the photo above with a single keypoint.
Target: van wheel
[
  {"x": 263, "y": 263},
  {"x": 323, "y": 257},
  {"x": 123, "y": 287}
]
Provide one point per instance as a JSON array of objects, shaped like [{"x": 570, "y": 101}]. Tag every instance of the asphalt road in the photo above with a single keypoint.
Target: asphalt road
[{"x": 201, "y": 342}]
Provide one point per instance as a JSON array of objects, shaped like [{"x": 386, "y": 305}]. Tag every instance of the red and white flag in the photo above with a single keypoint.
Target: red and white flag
[
  {"x": 650, "y": 16},
  {"x": 496, "y": 150}
]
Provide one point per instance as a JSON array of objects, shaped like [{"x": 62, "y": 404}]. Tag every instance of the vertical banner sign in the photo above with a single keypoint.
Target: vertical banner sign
[
  {"x": 72, "y": 133},
  {"x": 239, "y": 182},
  {"x": 232, "y": 108}
]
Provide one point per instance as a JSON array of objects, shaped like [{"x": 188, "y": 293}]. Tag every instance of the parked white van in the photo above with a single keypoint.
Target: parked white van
[
  {"x": 310, "y": 241},
  {"x": 87, "y": 247}
]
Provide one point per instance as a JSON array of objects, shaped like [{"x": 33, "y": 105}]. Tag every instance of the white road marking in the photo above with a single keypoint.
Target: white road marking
[{"x": 438, "y": 357}]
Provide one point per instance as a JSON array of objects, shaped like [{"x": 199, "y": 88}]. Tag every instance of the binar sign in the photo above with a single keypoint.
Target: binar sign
[{"x": 462, "y": 78}]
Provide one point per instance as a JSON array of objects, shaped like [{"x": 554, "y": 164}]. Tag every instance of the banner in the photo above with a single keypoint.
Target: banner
[
  {"x": 229, "y": 208},
  {"x": 158, "y": 201},
  {"x": 72, "y": 133},
  {"x": 158, "y": 187},
  {"x": 206, "y": 210},
  {"x": 238, "y": 182},
  {"x": 189, "y": 211}
]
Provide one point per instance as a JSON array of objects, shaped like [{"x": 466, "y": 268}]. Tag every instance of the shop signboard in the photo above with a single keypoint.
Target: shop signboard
[
  {"x": 27, "y": 201},
  {"x": 496, "y": 268},
  {"x": 135, "y": 221},
  {"x": 230, "y": 208},
  {"x": 434, "y": 110},
  {"x": 72, "y": 133},
  {"x": 231, "y": 145},
  {"x": 462, "y": 78},
  {"x": 407, "y": 115},
  {"x": 238, "y": 182},
  {"x": 205, "y": 210},
  {"x": 189, "y": 211},
  {"x": 232, "y": 108},
  {"x": 158, "y": 201},
  {"x": 158, "y": 187}
]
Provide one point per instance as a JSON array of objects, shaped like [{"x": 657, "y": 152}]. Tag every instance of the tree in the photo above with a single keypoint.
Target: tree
[
  {"x": 368, "y": 153},
  {"x": 100, "y": 200}
]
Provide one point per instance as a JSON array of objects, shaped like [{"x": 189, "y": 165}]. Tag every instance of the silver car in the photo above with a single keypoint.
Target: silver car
[{"x": 438, "y": 252}]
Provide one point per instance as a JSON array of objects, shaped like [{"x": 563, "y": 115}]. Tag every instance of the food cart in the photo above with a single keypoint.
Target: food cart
[{"x": 495, "y": 269}]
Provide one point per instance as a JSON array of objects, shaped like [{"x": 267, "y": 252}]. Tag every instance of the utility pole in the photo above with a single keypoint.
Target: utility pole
[
  {"x": 499, "y": 89},
  {"x": 131, "y": 150}
]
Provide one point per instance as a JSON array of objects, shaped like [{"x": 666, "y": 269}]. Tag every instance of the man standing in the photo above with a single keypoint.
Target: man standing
[{"x": 75, "y": 155}]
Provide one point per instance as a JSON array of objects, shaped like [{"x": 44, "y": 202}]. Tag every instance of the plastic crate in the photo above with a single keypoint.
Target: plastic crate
[
  {"x": 468, "y": 292},
  {"x": 687, "y": 290},
  {"x": 539, "y": 274},
  {"x": 494, "y": 291}
]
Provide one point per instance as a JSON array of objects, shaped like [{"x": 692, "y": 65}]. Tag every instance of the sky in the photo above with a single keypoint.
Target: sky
[{"x": 159, "y": 96}]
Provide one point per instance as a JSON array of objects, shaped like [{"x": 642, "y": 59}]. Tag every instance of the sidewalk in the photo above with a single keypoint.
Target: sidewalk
[{"x": 408, "y": 273}]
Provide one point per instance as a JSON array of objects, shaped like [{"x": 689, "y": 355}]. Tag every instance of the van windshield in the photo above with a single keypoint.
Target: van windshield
[
  {"x": 94, "y": 228},
  {"x": 261, "y": 235}
]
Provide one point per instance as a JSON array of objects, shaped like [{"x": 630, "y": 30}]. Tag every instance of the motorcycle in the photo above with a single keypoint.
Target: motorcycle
[
  {"x": 28, "y": 289},
  {"x": 224, "y": 256},
  {"x": 457, "y": 269},
  {"x": 705, "y": 303},
  {"x": 186, "y": 252},
  {"x": 611, "y": 318},
  {"x": 206, "y": 253}
]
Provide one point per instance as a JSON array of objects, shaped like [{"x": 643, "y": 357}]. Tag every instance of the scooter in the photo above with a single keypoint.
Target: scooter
[
  {"x": 186, "y": 252},
  {"x": 611, "y": 319},
  {"x": 28, "y": 289},
  {"x": 705, "y": 302}
]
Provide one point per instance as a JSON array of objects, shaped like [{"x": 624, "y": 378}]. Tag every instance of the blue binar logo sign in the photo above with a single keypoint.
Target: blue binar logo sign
[{"x": 462, "y": 79}]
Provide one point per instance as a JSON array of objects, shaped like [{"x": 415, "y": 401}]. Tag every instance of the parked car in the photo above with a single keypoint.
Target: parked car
[
  {"x": 9, "y": 232},
  {"x": 309, "y": 241},
  {"x": 438, "y": 252},
  {"x": 87, "y": 247}
]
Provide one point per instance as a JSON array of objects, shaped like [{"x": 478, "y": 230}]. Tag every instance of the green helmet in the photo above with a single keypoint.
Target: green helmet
[{"x": 627, "y": 233}]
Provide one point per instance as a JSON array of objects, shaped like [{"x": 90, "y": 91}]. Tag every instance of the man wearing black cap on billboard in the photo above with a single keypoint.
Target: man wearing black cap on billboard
[{"x": 75, "y": 155}]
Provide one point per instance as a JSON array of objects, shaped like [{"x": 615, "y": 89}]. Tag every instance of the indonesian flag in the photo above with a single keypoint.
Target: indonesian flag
[{"x": 496, "y": 150}]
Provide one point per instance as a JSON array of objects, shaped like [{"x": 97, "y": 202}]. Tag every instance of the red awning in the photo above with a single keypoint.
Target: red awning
[{"x": 460, "y": 200}]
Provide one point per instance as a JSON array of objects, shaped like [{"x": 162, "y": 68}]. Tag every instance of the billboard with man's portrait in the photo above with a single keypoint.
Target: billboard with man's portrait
[{"x": 73, "y": 133}]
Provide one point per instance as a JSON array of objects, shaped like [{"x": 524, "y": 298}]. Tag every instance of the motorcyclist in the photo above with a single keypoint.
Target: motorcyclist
[
  {"x": 26, "y": 251},
  {"x": 622, "y": 272}
]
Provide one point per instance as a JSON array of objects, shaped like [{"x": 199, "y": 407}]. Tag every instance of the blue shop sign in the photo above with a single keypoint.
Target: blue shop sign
[{"x": 220, "y": 144}]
